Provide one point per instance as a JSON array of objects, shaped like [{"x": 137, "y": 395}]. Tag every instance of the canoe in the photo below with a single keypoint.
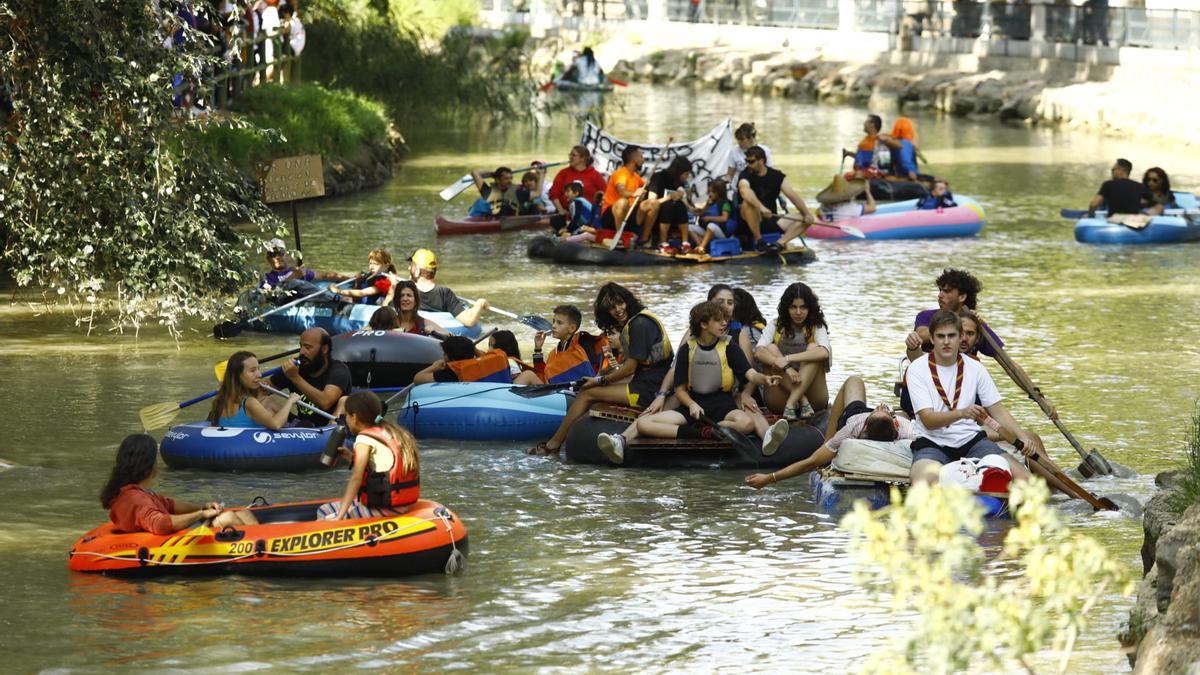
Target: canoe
[
  {"x": 574, "y": 253},
  {"x": 659, "y": 453},
  {"x": 335, "y": 317},
  {"x": 903, "y": 220},
  {"x": 288, "y": 541},
  {"x": 480, "y": 411},
  {"x": 1175, "y": 227},
  {"x": 199, "y": 445},
  {"x": 446, "y": 226},
  {"x": 379, "y": 358}
]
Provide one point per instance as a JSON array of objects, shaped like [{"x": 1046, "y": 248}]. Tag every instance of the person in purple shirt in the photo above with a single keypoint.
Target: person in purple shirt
[{"x": 291, "y": 281}]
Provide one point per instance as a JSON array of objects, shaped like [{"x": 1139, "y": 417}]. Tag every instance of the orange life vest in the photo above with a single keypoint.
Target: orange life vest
[
  {"x": 574, "y": 363},
  {"x": 491, "y": 367},
  {"x": 388, "y": 489}
]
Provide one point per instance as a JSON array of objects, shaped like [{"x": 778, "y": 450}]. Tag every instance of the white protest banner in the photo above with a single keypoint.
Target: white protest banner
[{"x": 709, "y": 154}]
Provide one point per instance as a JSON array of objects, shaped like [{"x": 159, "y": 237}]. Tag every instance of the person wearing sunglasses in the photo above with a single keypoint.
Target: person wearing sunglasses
[{"x": 760, "y": 186}]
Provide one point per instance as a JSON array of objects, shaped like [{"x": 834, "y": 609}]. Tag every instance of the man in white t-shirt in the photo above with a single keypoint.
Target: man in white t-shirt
[{"x": 944, "y": 388}]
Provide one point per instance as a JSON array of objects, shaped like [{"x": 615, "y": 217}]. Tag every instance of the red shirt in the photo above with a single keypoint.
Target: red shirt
[
  {"x": 136, "y": 509},
  {"x": 593, "y": 182}
]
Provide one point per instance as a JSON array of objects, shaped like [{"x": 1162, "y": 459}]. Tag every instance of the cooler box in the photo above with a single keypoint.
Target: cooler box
[{"x": 724, "y": 247}]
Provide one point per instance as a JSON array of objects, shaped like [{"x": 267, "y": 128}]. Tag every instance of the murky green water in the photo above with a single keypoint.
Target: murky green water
[{"x": 580, "y": 567}]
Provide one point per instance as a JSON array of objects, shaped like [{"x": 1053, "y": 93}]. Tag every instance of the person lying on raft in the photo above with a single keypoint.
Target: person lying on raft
[
  {"x": 521, "y": 372},
  {"x": 944, "y": 387},
  {"x": 1123, "y": 194},
  {"x": 574, "y": 224},
  {"x": 132, "y": 507},
  {"x": 320, "y": 380},
  {"x": 462, "y": 363},
  {"x": 797, "y": 346},
  {"x": 291, "y": 282},
  {"x": 939, "y": 197},
  {"x": 624, "y": 187},
  {"x": 405, "y": 304},
  {"x": 375, "y": 286},
  {"x": 384, "y": 467},
  {"x": 854, "y": 420},
  {"x": 715, "y": 218},
  {"x": 760, "y": 187},
  {"x": 706, "y": 376},
  {"x": 240, "y": 401},
  {"x": 646, "y": 349},
  {"x": 577, "y": 355},
  {"x": 838, "y": 199},
  {"x": 422, "y": 268},
  {"x": 498, "y": 199}
]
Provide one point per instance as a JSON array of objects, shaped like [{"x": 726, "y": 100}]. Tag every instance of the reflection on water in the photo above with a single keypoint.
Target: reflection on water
[{"x": 583, "y": 567}]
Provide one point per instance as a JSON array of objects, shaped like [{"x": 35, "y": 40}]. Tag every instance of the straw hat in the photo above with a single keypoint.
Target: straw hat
[{"x": 840, "y": 190}]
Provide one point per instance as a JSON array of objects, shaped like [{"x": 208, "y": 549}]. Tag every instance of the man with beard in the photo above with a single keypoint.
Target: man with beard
[{"x": 319, "y": 380}]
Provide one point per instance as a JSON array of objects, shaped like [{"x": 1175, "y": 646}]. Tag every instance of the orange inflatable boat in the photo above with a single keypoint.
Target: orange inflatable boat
[{"x": 288, "y": 541}]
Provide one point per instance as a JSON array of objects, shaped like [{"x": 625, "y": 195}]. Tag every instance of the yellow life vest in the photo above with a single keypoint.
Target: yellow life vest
[
  {"x": 660, "y": 353},
  {"x": 722, "y": 351}
]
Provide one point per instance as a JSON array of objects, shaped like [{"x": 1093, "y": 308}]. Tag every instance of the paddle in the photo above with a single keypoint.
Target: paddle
[
  {"x": 228, "y": 329},
  {"x": 219, "y": 369},
  {"x": 539, "y": 390},
  {"x": 312, "y": 409},
  {"x": 1097, "y": 503},
  {"x": 848, "y": 229},
  {"x": 1093, "y": 463},
  {"x": 159, "y": 415},
  {"x": 748, "y": 449},
  {"x": 538, "y": 323},
  {"x": 457, "y": 187},
  {"x": 612, "y": 246},
  {"x": 617, "y": 82}
]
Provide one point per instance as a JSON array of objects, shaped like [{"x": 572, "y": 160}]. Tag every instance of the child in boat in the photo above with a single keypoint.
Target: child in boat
[
  {"x": 796, "y": 346},
  {"x": 706, "y": 374},
  {"x": 578, "y": 354},
  {"x": 715, "y": 218},
  {"x": 132, "y": 507},
  {"x": 384, "y": 468},
  {"x": 241, "y": 402},
  {"x": 938, "y": 198},
  {"x": 372, "y": 287},
  {"x": 505, "y": 341},
  {"x": 576, "y": 223},
  {"x": 530, "y": 200},
  {"x": 461, "y": 363}
]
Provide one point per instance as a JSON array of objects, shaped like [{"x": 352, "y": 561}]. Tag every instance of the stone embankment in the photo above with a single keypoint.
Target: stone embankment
[
  {"x": 1163, "y": 635},
  {"x": 370, "y": 166}
]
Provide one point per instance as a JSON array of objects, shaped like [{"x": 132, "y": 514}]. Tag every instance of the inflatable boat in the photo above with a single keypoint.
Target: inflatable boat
[
  {"x": 896, "y": 190},
  {"x": 903, "y": 220},
  {"x": 381, "y": 358},
  {"x": 576, "y": 253},
  {"x": 868, "y": 470},
  {"x": 335, "y": 317},
  {"x": 571, "y": 86},
  {"x": 446, "y": 226},
  {"x": 480, "y": 411},
  {"x": 673, "y": 453},
  {"x": 1177, "y": 226},
  {"x": 199, "y": 445},
  {"x": 288, "y": 541}
]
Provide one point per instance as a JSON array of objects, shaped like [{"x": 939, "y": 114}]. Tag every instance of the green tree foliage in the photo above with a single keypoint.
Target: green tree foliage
[{"x": 105, "y": 196}]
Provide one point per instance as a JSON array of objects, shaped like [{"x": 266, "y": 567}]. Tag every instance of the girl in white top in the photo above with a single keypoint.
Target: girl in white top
[
  {"x": 796, "y": 345},
  {"x": 747, "y": 137}
]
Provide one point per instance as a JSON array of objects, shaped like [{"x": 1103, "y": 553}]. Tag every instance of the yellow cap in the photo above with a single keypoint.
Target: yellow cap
[{"x": 424, "y": 259}]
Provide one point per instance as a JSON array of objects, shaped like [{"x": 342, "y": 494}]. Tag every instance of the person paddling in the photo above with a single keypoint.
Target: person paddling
[
  {"x": 240, "y": 401},
  {"x": 374, "y": 286},
  {"x": 499, "y": 199},
  {"x": 760, "y": 187},
  {"x": 624, "y": 187},
  {"x": 320, "y": 380},
  {"x": 1123, "y": 194},
  {"x": 866, "y": 155},
  {"x": 422, "y": 268},
  {"x": 384, "y": 467},
  {"x": 288, "y": 281}
]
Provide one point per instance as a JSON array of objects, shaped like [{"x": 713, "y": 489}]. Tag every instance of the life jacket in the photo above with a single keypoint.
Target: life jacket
[
  {"x": 502, "y": 202},
  {"x": 391, "y": 488},
  {"x": 573, "y": 362},
  {"x": 661, "y": 353},
  {"x": 795, "y": 344},
  {"x": 491, "y": 367},
  {"x": 864, "y": 156},
  {"x": 581, "y": 216},
  {"x": 707, "y": 380},
  {"x": 368, "y": 282}
]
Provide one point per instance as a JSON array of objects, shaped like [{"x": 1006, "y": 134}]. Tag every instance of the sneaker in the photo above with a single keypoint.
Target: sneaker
[
  {"x": 761, "y": 246},
  {"x": 686, "y": 247},
  {"x": 666, "y": 249},
  {"x": 613, "y": 447},
  {"x": 775, "y": 437},
  {"x": 774, "y": 247}
]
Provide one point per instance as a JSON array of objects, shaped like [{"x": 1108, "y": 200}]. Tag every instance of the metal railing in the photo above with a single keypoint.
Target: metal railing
[{"x": 233, "y": 77}]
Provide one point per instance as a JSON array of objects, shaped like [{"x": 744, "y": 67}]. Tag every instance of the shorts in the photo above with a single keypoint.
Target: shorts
[
  {"x": 977, "y": 447},
  {"x": 716, "y": 406},
  {"x": 640, "y": 393},
  {"x": 770, "y": 225},
  {"x": 672, "y": 213},
  {"x": 607, "y": 220},
  {"x": 854, "y": 408}
]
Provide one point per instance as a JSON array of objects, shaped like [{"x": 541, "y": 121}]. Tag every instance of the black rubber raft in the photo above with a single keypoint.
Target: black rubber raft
[
  {"x": 657, "y": 453},
  {"x": 379, "y": 358},
  {"x": 896, "y": 191},
  {"x": 573, "y": 253}
]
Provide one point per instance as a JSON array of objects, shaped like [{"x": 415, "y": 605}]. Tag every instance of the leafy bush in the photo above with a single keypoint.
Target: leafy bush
[{"x": 1189, "y": 483}]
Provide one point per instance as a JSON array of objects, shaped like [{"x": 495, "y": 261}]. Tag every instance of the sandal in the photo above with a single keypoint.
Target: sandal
[
  {"x": 541, "y": 450},
  {"x": 790, "y": 415}
]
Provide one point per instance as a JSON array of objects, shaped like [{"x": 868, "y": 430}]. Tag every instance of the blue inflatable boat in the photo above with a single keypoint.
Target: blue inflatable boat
[
  {"x": 335, "y": 317},
  {"x": 1174, "y": 227},
  {"x": 480, "y": 411},
  {"x": 199, "y": 445}
]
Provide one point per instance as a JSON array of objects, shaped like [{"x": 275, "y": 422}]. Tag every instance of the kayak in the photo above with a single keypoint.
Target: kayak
[
  {"x": 480, "y": 411},
  {"x": 577, "y": 253},
  {"x": 445, "y": 226},
  {"x": 384, "y": 358},
  {"x": 674, "y": 453},
  {"x": 288, "y": 541},
  {"x": 903, "y": 220},
  {"x": 199, "y": 445},
  {"x": 1171, "y": 228},
  {"x": 335, "y": 317}
]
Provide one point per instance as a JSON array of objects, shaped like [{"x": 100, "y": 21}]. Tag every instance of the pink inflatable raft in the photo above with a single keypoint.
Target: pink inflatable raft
[{"x": 903, "y": 220}]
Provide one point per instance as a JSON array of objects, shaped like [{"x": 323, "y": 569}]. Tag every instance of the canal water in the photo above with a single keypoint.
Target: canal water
[{"x": 581, "y": 567}]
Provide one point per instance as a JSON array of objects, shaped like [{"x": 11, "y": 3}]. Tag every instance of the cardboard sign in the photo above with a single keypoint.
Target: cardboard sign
[{"x": 290, "y": 178}]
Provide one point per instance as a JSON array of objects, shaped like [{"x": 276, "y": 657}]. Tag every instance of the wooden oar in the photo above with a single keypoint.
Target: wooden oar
[
  {"x": 159, "y": 415},
  {"x": 612, "y": 246},
  {"x": 457, "y": 187},
  {"x": 220, "y": 368},
  {"x": 1097, "y": 503},
  {"x": 228, "y": 329},
  {"x": 848, "y": 229},
  {"x": 1093, "y": 463}
]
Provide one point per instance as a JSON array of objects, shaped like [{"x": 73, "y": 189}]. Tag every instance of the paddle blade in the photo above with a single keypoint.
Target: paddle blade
[
  {"x": 330, "y": 453},
  {"x": 617, "y": 82},
  {"x": 158, "y": 415},
  {"x": 1094, "y": 465},
  {"x": 538, "y": 323},
  {"x": 539, "y": 390},
  {"x": 456, "y": 188},
  {"x": 852, "y": 231},
  {"x": 219, "y": 370},
  {"x": 227, "y": 329}
]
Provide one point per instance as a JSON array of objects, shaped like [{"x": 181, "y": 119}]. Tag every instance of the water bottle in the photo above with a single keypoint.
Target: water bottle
[{"x": 609, "y": 363}]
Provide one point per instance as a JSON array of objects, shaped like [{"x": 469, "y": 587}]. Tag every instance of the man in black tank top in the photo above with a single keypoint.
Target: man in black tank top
[{"x": 759, "y": 187}]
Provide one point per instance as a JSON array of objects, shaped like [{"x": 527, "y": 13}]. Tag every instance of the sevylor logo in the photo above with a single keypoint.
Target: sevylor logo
[
  {"x": 175, "y": 435},
  {"x": 268, "y": 437}
]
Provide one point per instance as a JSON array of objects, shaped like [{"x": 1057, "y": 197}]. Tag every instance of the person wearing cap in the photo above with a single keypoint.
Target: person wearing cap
[
  {"x": 422, "y": 268},
  {"x": 291, "y": 281},
  {"x": 837, "y": 200}
]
